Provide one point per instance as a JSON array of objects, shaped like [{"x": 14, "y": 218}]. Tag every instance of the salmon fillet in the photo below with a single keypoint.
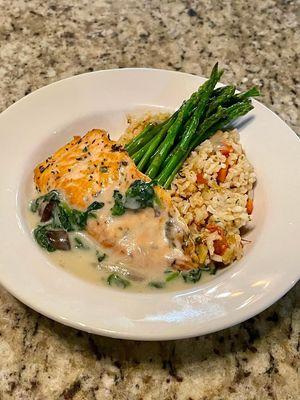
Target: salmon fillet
[
  {"x": 83, "y": 167},
  {"x": 91, "y": 165}
]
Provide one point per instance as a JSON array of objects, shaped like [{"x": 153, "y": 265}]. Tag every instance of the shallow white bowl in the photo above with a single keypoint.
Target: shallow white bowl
[{"x": 36, "y": 125}]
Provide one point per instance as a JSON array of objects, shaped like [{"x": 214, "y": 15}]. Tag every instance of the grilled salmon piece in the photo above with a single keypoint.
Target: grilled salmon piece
[
  {"x": 92, "y": 167},
  {"x": 85, "y": 166}
]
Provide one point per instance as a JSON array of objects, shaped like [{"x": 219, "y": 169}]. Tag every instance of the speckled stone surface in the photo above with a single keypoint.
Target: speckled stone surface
[{"x": 256, "y": 42}]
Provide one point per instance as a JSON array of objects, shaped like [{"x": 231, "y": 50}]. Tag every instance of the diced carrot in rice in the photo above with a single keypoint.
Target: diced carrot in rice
[
  {"x": 226, "y": 149},
  {"x": 249, "y": 206},
  {"x": 201, "y": 179},
  {"x": 221, "y": 177}
]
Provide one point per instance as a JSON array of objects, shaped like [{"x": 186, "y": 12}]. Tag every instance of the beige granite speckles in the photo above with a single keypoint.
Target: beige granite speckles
[
  {"x": 256, "y": 42},
  {"x": 41, "y": 359}
]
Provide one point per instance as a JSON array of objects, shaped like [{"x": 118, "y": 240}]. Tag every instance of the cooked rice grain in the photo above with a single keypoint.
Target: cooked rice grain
[{"x": 218, "y": 205}]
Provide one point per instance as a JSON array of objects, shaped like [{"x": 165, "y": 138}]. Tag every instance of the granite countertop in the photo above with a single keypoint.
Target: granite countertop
[{"x": 256, "y": 42}]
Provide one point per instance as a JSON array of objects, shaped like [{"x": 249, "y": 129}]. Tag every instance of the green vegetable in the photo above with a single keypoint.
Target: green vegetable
[
  {"x": 253, "y": 92},
  {"x": 96, "y": 205},
  {"x": 160, "y": 151},
  {"x": 184, "y": 147},
  {"x": 79, "y": 244},
  {"x": 200, "y": 99},
  {"x": 233, "y": 112},
  {"x": 146, "y": 152},
  {"x": 71, "y": 219},
  {"x": 116, "y": 280},
  {"x": 157, "y": 284},
  {"x": 140, "y": 194},
  {"x": 118, "y": 208},
  {"x": 100, "y": 256},
  {"x": 225, "y": 95},
  {"x": 40, "y": 235},
  {"x": 192, "y": 276},
  {"x": 61, "y": 217},
  {"x": 144, "y": 137},
  {"x": 51, "y": 196},
  {"x": 211, "y": 269},
  {"x": 103, "y": 169},
  {"x": 172, "y": 275}
]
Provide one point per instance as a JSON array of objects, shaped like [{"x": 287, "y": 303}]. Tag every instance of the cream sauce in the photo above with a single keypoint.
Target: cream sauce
[
  {"x": 138, "y": 239},
  {"x": 83, "y": 262}
]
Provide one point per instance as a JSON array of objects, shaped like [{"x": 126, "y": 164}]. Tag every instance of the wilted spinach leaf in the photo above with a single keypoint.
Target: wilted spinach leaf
[
  {"x": 61, "y": 217},
  {"x": 51, "y": 196},
  {"x": 139, "y": 195},
  {"x": 192, "y": 276},
  {"x": 172, "y": 275},
  {"x": 116, "y": 280},
  {"x": 40, "y": 235},
  {"x": 79, "y": 244},
  {"x": 157, "y": 284},
  {"x": 118, "y": 208},
  {"x": 96, "y": 205}
]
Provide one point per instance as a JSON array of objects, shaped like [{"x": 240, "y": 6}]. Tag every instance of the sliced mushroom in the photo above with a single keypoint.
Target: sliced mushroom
[
  {"x": 59, "y": 239},
  {"x": 46, "y": 211}
]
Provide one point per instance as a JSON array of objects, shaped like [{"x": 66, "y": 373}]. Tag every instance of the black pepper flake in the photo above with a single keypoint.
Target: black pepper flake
[
  {"x": 124, "y": 163},
  {"x": 93, "y": 141},
  {"x": 78, "y": 158},
  {"x": 116, "y": 147},
  {"x": 42, "y": 169},
  {"x": 69, "y": 169}
]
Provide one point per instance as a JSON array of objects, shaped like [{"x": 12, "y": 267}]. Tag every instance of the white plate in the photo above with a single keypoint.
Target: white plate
[{"x": 34, "y": 127}]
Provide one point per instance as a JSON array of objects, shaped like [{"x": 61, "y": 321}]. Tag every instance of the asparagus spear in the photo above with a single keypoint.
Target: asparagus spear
[
  {"x": 157, "y": 136},
  {"x": 142, "y": 138},
  {"x": 253, "y": 92},
  {"x": 155, "y": 145},
  {"x": 218, "y": 91},
  {"x": 202, "y": 96},
  {"x": 183, "y": 148},
  {"x": 152, "y": 146},
  {"x": 233, "y": 112},
  {"x": 138, "y": 155},
  {"x": 224, "y": 96}
]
